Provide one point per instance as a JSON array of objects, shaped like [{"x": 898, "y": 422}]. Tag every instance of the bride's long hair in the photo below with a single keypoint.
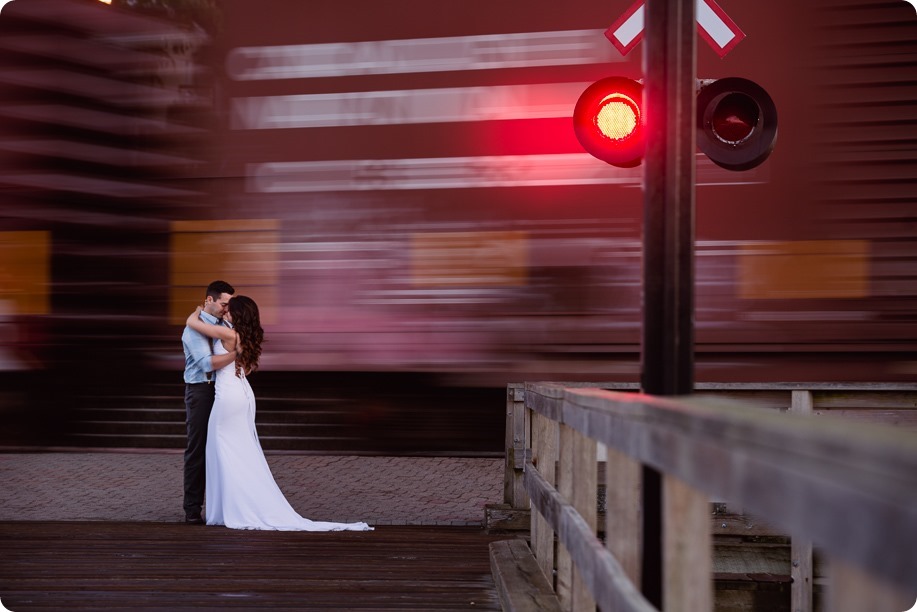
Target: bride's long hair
[{"x": 247, "y": 323}]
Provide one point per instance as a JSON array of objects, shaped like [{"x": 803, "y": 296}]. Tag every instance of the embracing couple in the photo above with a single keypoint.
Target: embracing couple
[{"x": 222, "y": 343}]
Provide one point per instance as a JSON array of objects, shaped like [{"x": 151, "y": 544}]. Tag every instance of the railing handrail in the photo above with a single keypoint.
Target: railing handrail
[
  {"x": 849, "y": 487},
  {"x": 751, "y": 386}
]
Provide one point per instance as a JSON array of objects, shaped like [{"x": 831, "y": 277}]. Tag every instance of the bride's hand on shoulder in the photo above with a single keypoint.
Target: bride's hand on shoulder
[{"x": 194, "y": 315}]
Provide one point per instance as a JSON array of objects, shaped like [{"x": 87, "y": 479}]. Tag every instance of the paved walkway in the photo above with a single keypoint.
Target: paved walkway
[{"x": 147, "y": 486}]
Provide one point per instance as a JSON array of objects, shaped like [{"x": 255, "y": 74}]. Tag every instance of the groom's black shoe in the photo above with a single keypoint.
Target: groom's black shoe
[{"x": 194, "y": 519}]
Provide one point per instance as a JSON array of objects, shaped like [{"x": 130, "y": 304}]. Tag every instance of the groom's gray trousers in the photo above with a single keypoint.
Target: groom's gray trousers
[{"x": 198, "y": 404}]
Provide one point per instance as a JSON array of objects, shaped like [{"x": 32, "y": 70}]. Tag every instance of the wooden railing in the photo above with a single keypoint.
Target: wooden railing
[{"x": 846, "y": 486}]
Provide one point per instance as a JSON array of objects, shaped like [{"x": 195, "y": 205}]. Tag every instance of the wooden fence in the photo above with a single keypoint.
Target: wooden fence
[{"x": 848, "y": 486}]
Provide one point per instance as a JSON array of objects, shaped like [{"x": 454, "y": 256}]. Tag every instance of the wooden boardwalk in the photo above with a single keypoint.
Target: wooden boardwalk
[{"x": 145, "y": 566}]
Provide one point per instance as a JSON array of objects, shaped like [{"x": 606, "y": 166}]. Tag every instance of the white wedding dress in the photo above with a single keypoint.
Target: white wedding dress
[{"x": 241, "y": 492}]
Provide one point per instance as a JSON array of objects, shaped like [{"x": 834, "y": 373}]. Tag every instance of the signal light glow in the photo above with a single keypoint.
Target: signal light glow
[
  {"x": 608, "y": 121},
  {"x": 618, "y": 116}
]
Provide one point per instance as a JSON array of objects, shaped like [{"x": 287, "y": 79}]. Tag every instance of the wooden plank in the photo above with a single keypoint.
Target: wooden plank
[
  {"x": 565, "y": 478},
  {"x": 545, "y": 399},
  {"x": 778, "y": 399},
  {"x": 583, "y": 498},
  {"x": 509, "y": 445},
  {"x": 716, "y": 387},
  {"x": 503, "y": 517},
  {"x": 801, "y": 570},
  {"x": 751, "y": 562},
  {"x": 92, "y": 565},
  {"x": 809, "y": 386},
  {"x": 521, "y": 585},
  {"x": 888, "y": 418},
  {"x": 687, "y": 548},
  {"x": 521, "y": 498},
  {"x": 891, "y": 407},
  {"x": 888, "y": 400},
  {"x": 726, "y": 521},
  {"x": 517, "y": 439},
  {"x": 544, "y": 457},
  {"x": 801, "y": 599}
]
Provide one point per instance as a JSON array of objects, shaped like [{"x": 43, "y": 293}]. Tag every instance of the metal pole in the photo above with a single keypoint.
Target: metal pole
[{"x": 668, "y": 240}]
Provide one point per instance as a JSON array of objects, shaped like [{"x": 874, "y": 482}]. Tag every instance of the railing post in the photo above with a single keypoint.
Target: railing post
[
  {"x": 544, "y": 457},
  {"x": 687, "y": 549},
  {"x": 801, "y": 549},
  {"x": 576, "y": 482},
  {"x": 517, "y": 440},
  {"x": 624, "y": 512},
  {"x": 564, "y": 585}
]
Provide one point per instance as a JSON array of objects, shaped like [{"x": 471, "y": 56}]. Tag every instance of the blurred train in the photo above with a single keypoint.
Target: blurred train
[{"x": 399, "y": 187}]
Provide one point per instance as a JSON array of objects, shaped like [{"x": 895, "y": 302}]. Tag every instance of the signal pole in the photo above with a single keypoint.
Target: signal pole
[{"x": 668, "y": 238}]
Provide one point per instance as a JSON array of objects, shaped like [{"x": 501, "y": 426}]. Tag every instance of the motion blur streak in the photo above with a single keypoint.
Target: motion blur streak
[
  {"x": 498, "y": 103},
  {"x": 483, "y": 52},
  {"x": 460, "y": 173},
  {"x": 434, "y": 173}
]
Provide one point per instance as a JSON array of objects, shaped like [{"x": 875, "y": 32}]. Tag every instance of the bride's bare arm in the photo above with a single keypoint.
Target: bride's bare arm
[
  {"x": 231, "y": 345},
  {"x": 211, "y": 331}
]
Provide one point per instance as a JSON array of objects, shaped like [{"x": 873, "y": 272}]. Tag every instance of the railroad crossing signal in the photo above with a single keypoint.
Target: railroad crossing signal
[
  {"x": 736, "y": 118},
  {"x": 736, "y": 122}
]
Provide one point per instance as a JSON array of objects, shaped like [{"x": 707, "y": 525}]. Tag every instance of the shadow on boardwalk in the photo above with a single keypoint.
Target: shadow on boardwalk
[{"x": 95, "y": 565}]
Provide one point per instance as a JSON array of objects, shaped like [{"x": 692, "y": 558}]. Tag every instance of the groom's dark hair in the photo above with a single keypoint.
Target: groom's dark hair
[{"x": 218, "y": 288}]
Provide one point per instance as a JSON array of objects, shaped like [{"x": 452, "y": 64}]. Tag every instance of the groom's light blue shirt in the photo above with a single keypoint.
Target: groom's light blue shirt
[{"x": 198, "y": 352}]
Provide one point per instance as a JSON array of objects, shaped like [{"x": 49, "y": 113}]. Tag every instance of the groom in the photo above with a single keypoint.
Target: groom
[{"x": 199, "y": 396}]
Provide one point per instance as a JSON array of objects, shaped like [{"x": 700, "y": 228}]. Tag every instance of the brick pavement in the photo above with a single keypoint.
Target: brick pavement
[{"x": 147, "y": 486}]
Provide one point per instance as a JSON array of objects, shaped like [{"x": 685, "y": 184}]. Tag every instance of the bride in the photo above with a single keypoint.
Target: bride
[{"x": 241, "y": 492}]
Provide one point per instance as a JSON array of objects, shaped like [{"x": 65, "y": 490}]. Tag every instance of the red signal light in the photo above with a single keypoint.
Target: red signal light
[
  {"x": 617, "y": 117},
  {"x": 608, "y": 121},
  {"x": 736, "y": 123}
]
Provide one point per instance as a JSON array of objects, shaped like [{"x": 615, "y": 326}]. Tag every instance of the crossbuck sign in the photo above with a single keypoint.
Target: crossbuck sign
[{"x": 713, "y": 24}]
